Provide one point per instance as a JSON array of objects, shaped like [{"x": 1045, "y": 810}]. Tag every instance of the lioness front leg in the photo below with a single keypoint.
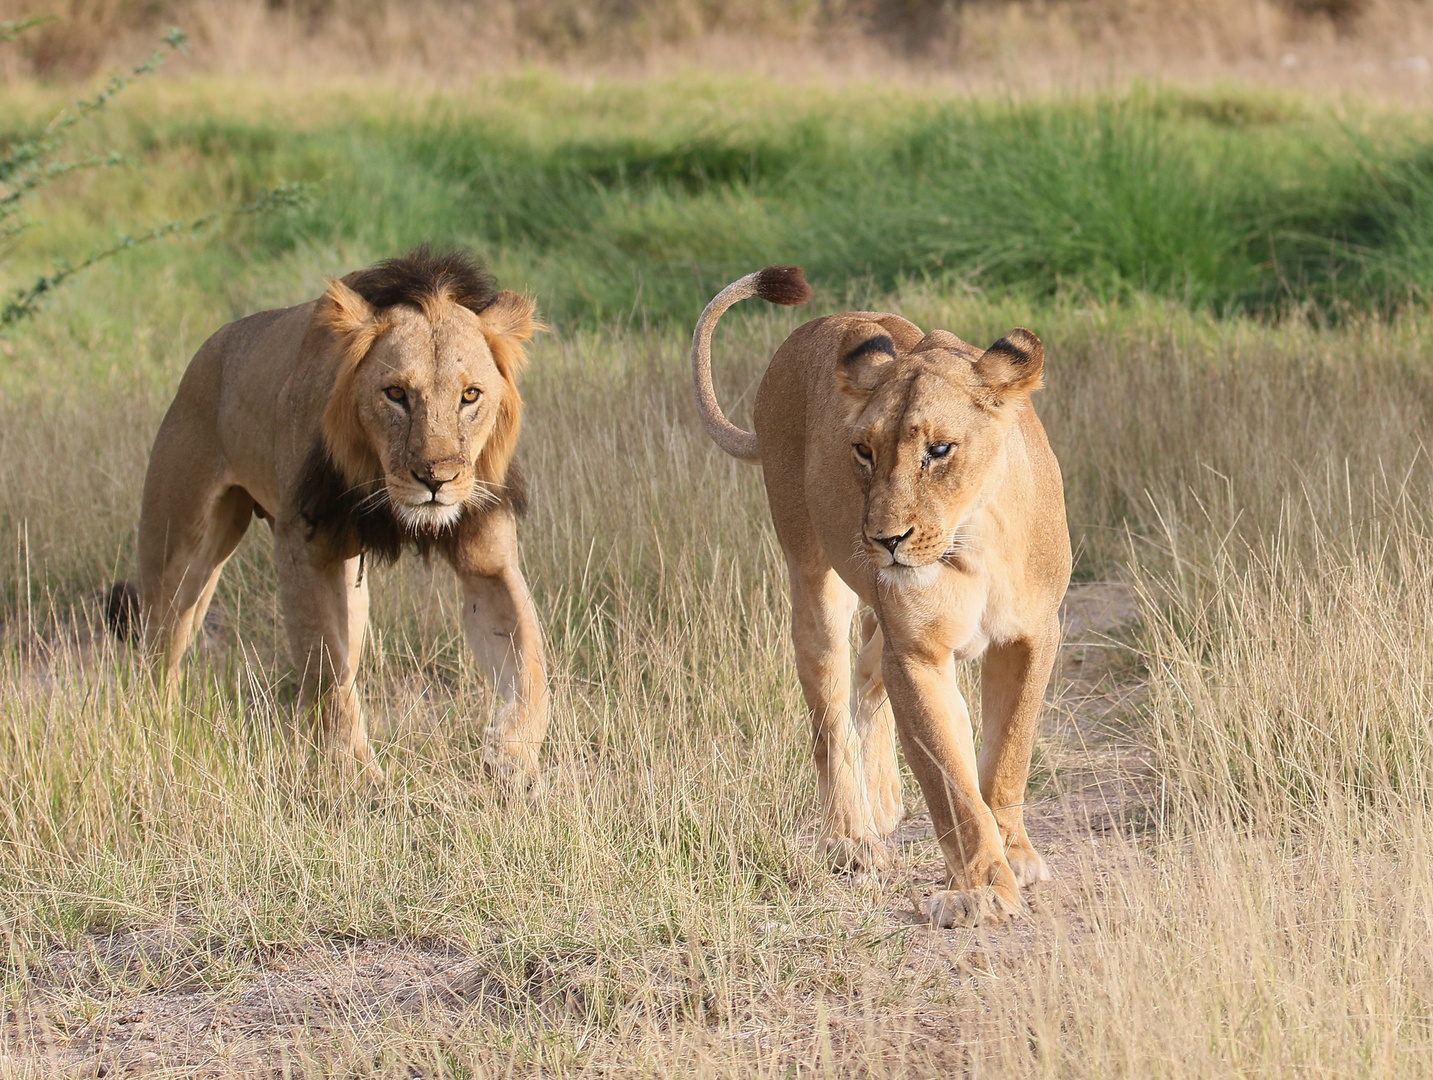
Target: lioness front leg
[
  {"x": 1013, "y": 679},
  {"x": 500, "y": 623},
  {"x": 325, "y": 603},
  {"x": 821, "y": 610},
  {"x": 876, "y": 725},
  {"x": 934, "y": 726}
]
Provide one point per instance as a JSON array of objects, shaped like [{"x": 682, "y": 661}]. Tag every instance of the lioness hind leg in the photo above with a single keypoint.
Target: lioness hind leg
[
  {"x": 1013, "y": 679},
  {"x": 876, "y": 725},
  {"x": 182, "y": 552},
  {"x": 821, "y": 610}
]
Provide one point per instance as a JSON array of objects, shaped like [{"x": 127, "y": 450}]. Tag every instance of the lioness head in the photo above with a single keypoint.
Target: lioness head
[
  {"x": 928, "y": 435},
  {"x": 424, "y": 411}
]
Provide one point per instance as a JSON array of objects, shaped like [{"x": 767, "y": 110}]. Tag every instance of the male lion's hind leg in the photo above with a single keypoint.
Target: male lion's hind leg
[
  {"x": 185, "y": 537},
  {"x": 1013, "y": 678},
  {"x": 876, "y": 725},
  {"x": 821, "y": 610}
]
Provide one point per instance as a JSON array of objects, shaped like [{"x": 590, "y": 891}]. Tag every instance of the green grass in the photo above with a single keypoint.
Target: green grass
[{"x": 637, "y": 201}]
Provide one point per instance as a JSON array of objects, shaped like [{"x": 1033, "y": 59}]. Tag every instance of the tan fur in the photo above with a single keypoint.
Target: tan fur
[
  {"x": 257, "y": 399},
  {"x": 959, "y": 556}
]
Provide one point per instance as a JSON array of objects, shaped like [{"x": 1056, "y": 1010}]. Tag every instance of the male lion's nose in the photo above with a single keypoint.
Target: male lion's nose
[
  {"x": 437, "y": 473},
  {"x": 890, "y": 543}
]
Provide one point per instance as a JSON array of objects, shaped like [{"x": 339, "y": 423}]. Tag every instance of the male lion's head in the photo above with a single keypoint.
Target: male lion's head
[
  {"x": 928, "y": 437},
  {"x": 423, "y": 416}
]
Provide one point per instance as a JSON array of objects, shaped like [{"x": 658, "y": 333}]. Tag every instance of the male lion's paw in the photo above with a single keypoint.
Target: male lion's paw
[
  {"x": 845, "y": 855},
  {"x": 1026, "y": 865},
  {"x": 359, "y": 766},
  {"x": 511, "y": 774},
  {"x": 969, "y": 907}
]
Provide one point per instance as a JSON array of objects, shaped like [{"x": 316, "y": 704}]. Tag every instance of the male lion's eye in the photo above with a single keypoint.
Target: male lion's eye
[
  {"x": 471, "y": 395},
  {"x": 396, "y": 393},
  {"x": 938, "y": 451},
  {"x": 863, "y": 452}
]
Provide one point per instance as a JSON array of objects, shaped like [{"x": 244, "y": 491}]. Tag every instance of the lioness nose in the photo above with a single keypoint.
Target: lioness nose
[{"x": 890, "y": 543}]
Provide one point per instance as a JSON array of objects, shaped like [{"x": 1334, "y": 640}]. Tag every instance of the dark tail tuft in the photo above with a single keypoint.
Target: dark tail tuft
[
  {"x": 785, "y": 285},
  {"x": 121, "y": 610}
]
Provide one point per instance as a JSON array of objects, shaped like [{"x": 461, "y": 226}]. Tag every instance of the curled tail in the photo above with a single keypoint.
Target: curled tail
[{"x": 777, "y": 285}]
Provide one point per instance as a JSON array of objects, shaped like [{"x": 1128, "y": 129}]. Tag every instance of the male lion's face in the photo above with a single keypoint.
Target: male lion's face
[
  {"x": 928, "y": 438},
  {"x": 429, "y": 403},
  {"x": 428, "y": 396}
]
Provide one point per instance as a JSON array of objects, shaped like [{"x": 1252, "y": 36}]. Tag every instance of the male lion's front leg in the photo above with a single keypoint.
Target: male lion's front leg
[
  {"x": 1013, "y": 679},
  {"x": 500, "y": 622},
  {"x": 325, "y": 604},
  {"x": 821, "y": 610},
  {"x": 934, "y": 725}
]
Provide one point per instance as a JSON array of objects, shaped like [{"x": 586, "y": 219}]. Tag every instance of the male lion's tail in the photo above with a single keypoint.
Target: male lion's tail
[
  {"x": 777, "y": 285},
  {"x": 121, "y": 610}
]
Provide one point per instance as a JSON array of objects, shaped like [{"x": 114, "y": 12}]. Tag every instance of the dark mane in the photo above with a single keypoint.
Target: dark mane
[
  {"x": 357, "y": 517},
  {"x": 422, "y": 276}
]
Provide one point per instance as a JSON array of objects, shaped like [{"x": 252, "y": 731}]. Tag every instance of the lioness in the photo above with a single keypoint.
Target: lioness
[
  {"x": 909, "y": 472},
  {"x": 383, "y": 414}
]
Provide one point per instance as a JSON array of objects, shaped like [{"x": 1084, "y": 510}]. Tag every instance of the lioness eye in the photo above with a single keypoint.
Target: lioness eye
[
  {"x": 395, "y": 393},
  {"x": 470, "y": 395},
  {"x": 938, "y": 451},
  {"x": 862, "y": 451}
]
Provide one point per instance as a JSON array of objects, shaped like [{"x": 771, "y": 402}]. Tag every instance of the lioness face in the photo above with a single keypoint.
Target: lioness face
[
  {"x": 928, "y": 436},
  {"x": 427, "y": 396}
]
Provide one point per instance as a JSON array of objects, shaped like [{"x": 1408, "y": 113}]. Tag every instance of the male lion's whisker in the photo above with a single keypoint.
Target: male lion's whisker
[{"x": 372, "y": 500}]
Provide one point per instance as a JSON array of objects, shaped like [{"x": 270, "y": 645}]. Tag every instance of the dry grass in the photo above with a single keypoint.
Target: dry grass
[
  {"x": 1233, "y": 791},
  {"x": 1378, "y": 46}
]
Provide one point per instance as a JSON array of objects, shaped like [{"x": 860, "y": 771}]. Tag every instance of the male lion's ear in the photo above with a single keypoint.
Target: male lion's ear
[
  {"x": 508, "y": 321},
  {"x": 1013, "y": 365},
  {"x": 354, "y": 326},
  {"x": 866, "y": 351},
  {"x": 342, "y": 310}
]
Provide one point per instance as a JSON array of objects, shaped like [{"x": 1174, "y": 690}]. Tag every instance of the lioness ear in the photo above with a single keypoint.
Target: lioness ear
[
  {"x": 1013, "y": 365},
  {"x": 508, "y": 322},
  {"x": 866, "y": 351}
]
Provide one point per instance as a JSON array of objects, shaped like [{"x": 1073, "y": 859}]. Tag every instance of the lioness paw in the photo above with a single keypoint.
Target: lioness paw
[
  {"x": 844, "y": 855},
  {"x": 887, "y": 809},
  {"x": 1027, "y": 866},
  {"x": 969, "y": 907}
]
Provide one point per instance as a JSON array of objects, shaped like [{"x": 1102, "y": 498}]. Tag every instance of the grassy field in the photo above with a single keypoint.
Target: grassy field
[{"x": 1233, "y": 784}]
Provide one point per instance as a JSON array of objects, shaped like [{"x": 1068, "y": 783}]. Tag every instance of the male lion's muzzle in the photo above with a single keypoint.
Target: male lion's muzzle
[{"x": 435, "y": 474}]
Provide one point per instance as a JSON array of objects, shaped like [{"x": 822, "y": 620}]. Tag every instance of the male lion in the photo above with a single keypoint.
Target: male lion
[
  {"x": 909, "y": 472},
  {"x": 382, "y": 414}
]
